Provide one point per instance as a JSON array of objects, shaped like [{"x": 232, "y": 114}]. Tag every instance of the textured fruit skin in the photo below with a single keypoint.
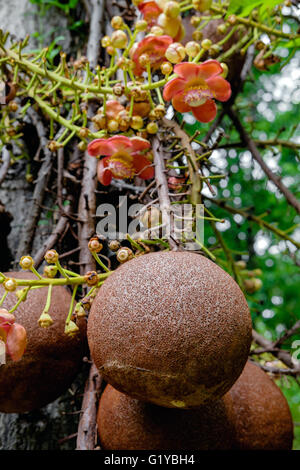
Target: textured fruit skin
[
  {"x": 171, "y": 328},
  {"x": 125, "y": 423},
  {"x": 51, "y": 360},
  {"x": 260, "y": 413}
]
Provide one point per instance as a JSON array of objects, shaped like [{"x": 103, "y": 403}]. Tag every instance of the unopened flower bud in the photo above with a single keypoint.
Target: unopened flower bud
[
  {"x": 94, "y": 245},
  {"x": 71, "y": 329},
  {"x": 111, "y": 50},
  {"x": 118, "y": 89},
  {"x": 197, "y": 35},
  {"x": 21, "y": 294},
  {"x": 100, "y": 121},
  {"x": 192, "y": 48},
  {"x": 206, "y": 44},
  {"x": 136, "y": 122},
  {"x": 152, "y": 128},
  {"x": 166, "y": 68},
  {"x": 10, "y": 284},
  {"x": 13, "y": 106},
  {"x": 26, "y": 262},
  {"x": 79, "y": 310},
  {"x": 252, "y": 285},
  {"x": 54, "y": 146},
  {"x": 114, "y": 245},
  {"x": 232, "y": 19},
  {"x": 124, "y": 254},
  {"x": 156, "y": 31},
  {"x": 51, "y": 256},
  {"x": 222, "y": 28},
  {"x": 45, "y": 320},
  {"x": 91, "y": 278},
  {"x": 82, "y": 146},
  {"x": 241, "y": 264},
  {"x": 84, "y": 132},
  {"x": 144, "y": 60},
  {"x": 141, "y": 25},
  {"x": 112, "y": 125},
  {"x": 117, "y": 22},
  {"x": 50, "y": 271},
  {"x": 105, "y": 41},
  {"x": 160, "y": 111},
  {"x": 201, "y": 5},
  {"x": 172, "y": 9},
  {"x": 225, "y": 69},
  {"x": 119, "y": 39},
  {"x": 175, "y": 53}
]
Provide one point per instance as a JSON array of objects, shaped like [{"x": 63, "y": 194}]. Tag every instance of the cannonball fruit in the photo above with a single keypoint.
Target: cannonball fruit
[
  {"x": 260, "y": 412},
  {"x": 125, "y": 423},
  {"x": 171, "y": 328},
  {"x": 51, "y": 359}
]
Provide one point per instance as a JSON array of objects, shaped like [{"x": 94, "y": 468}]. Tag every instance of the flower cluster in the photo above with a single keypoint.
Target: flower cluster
[{"x": 12, "y": 334}]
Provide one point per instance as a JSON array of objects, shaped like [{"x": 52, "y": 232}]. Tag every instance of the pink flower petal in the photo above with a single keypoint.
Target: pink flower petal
[
  {"x": 220, "y": 88},
  {"x": 143, "y": 168},
  {"x": 139, "y": 144},
  {"x": 179, "y": 104},
  {"x": 16, "y": 341},
  {"x": 100, "y": 147},
  {"x": 187, "y": 70},
  {"x": 209, "y": 68},
  {"x": 104, "y": 175},
  {"x": 206, "y": 112},
  {"x": 6, "y": 317},
  {"x": 173, "y": 87}
]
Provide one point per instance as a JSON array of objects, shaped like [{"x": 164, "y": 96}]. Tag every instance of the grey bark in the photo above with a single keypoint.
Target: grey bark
[{"x": 43, "y": 429}]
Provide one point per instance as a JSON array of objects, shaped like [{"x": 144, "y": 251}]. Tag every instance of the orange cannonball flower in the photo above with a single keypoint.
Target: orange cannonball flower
[
  {"x": 13, "y": 335},
  {"x": 123, "y": 158},
  {"x": 150, "y": 12},
  {"x": 155, "y": 47},
  {"x": 196, "y": 87}
]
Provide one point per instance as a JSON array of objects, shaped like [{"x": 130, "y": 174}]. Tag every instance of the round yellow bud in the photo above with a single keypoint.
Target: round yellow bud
[
  {"x": 10, "y": 285},
  {"x": 202, "y": 5},
  {"x": 175, "y": 53},
  {"x": 26, "y": 262},
  {"x": 206, "y": 44},
  {"x": 197, "y": 35},
  {"x": 144, "y": 60},
  {"x": 119, "y": 39},
  {"x": 152, "y": 128},
  {"x": 166, "y": 68},
  {"x": 112, "y": 125},
  {"x": 117, "y": 22},
  {"x": 192, "y": 48},
  {"x": 172, "y": 9},
  {"x": 105, "y": 41},
  {"x": 195, "y": 21},
  {"x": 156, "y": 31},
  {"x": 141, "y": 25},
  {"x": 136, "y": 122}
]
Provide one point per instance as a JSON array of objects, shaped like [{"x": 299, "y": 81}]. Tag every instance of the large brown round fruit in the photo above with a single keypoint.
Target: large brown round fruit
[
  {"x": 51, "y": 360},
  {"x": 260, "y": 415},
  {"x": 170, "y": 328},
  {"x": 125, "y": 423}
]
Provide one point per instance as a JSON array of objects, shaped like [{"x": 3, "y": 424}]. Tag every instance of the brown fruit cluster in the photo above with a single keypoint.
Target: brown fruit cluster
[{"x": 170, "y": 332}]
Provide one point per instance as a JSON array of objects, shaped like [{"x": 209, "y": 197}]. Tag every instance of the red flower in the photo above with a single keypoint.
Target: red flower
[
  {"x": 13, "y": 334},
  {"x": 196, "y": 87},
  {"x": 150, "y": 11},
  {"x": 123, "y": 158},
  {"x": 155, "y": 47}
]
